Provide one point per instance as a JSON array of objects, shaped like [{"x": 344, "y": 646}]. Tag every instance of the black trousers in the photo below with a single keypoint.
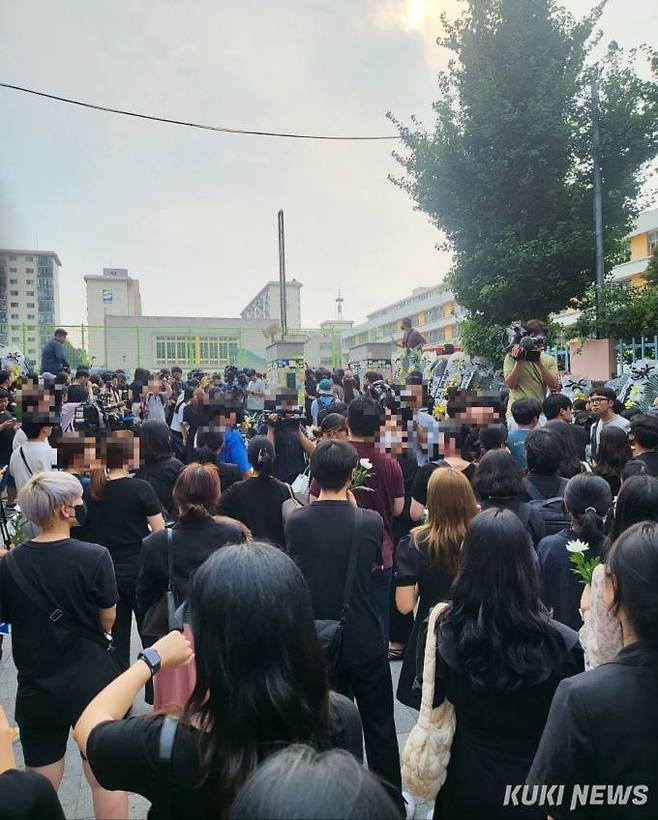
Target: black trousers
[
  {"x": 126, "y": 580},
  {"x": 370, "y": 684}
]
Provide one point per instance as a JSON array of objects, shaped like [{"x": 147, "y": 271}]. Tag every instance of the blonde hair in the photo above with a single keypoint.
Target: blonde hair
[
  {"x": 45, "y": 492},
  {"x": 451, "y": 505}
]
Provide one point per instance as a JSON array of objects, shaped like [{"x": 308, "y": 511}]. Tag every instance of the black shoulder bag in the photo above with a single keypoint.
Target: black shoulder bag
[
  {"x": 160, "y": 618},
  {"x": 329, "y": 632}
]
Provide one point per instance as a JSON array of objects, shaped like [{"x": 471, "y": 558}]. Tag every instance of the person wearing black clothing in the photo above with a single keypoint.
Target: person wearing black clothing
[
  {"x": 543, "y": 453},
  {"x": 78, "y": 392},
  {"x": 643, "y": 437},
  {"x": 588, "y": 501},
  {"x": 612, "y": 456},
  {"x": 310, "y": 393},
  {"x": 122, "y": 511},
  {"x": 63, "y": 661},
  {"x": 195, "y": 536},
  {"x": 560, "y": 407},
  {"x": 53, "y": 359},
  {"x": 195, "y": 415},
  {"x": 499, "y": 660},
  {"x": 428, "y": 561},
  {"x": 210, "y": 443},
  {"x": 28, "y": 796},
  {"x": 319, "y": 539},
  {"x": 159, "y": 467},
  {"x": 261, "y": 685},
  {"x": 257, "y": 501},
  {"x": 601, "y": 728},
  {"x": 290, "y": 443},
  {"x": 498, "y": 483}
]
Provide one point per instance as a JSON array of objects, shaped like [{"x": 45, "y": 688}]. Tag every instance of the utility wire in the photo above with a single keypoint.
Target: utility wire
[{"x": 219, "y": 128}]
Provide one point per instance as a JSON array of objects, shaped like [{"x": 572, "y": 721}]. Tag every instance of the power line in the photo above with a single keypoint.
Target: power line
[{"x": 221, "y": 129}]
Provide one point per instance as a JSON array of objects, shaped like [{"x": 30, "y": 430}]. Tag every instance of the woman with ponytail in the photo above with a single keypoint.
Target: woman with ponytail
[
  {"x": 122, "y": 511},
  {"x": 257, "y": 501},
  {"x": 587, "y": 502}
]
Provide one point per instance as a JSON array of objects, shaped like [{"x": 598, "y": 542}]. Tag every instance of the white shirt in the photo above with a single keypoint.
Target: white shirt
[
  {"x": 256, "y": 402},
  {"x": 40, "y": 458},
  {"x": 177, "y": 418}
]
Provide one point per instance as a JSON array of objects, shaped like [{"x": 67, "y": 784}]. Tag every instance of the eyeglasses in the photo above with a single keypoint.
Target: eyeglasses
[{"x": 598, "y": 400}]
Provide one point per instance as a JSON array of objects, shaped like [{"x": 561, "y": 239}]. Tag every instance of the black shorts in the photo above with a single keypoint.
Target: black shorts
[{"x": 43, "y": 745}]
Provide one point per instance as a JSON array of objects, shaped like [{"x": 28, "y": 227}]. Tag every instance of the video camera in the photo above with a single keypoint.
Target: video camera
[
  {"x": 531, "y": 345},
  {"x": 282, "y": 414}
]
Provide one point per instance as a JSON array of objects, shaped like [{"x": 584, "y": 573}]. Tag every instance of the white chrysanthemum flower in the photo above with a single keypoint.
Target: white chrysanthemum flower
[
  {"x": 577, "y": 546},
  {"x": 365, "y": 463}
]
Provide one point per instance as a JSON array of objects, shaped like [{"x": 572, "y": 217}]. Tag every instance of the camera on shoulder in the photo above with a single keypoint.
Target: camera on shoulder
[{"x": 530, "y": 343}]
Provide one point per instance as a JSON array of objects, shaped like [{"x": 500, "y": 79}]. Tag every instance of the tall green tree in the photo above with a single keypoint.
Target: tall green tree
[{"x": 507, "y": 171}]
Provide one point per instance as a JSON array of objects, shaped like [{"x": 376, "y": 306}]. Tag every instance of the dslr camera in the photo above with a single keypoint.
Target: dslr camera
[
  {"x": 531, "y": 345},
  {"x": 283, "y": 413}
]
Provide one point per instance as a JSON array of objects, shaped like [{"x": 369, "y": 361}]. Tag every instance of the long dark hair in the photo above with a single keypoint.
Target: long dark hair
[
  {"x": 261, "y": 677},
  {"x": 154, "y": 441},
  {"x": 196, "y": 492},
  {"x": 117, "y": 451},
  {"x": 589, "y": 500},
  {"x": 633, "y": 560},
  {"x": 637, "y": 501},
  {"x": 260, "y": 452},
  {"x": 613, "y": 453},
  {"x": 499, "y": 626},
  {"x": 570, "y": 463},
  {"x": 348, "y": 389},
  {"x": 498, "y": 475}
]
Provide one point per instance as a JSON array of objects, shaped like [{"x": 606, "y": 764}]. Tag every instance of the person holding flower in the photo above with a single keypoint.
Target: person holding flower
[
  {"x": 601, "y": 727},
  {"x": 588, "y": 502}
]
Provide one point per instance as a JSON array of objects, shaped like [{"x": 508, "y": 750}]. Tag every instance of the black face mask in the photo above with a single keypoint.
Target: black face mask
[{"x": 80, "y": 513}]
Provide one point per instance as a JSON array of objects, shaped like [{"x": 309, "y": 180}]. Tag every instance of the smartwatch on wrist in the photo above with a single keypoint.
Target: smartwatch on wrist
[{"x": 152, "y": 659}]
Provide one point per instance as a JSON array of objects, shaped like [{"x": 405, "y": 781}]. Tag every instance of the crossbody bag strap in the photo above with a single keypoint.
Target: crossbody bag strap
[
  {"x": 170, "y": 559},
  {"x": 351, "y": 565},
  {"x": 429, "y": 665},
  {"x": 56, "y": 615},
  {"x": 29, "y": 469},
  {"x": 163, "y": 784}
]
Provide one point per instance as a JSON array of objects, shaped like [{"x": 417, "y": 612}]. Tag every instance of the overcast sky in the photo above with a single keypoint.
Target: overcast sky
[{"x": 193, "y": 214}]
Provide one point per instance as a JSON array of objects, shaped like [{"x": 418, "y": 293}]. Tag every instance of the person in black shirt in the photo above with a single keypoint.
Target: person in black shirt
[
  {"x": 8, "y": 426},
  {"x": 122, "y": 511},
  {"x": 60, "y": 597},
  {"x": 79, "y": 391},
  {"x": 643, "y": 437},
  {"x": 196, "y": 535},
  {"x": 559, "y": 407},
  {"x": 319, "y": 537},
  {"x": 210, "y": 443},
  {"x": 498, "y": 483},
  {"x": 257, "y": 501},
  {"x": 159, "y": 467},
  {"x": 588, "y": 502},
  {"x": 543, "y": 453},
  {"x": 261, "y": 685},
  {"x": 637, "y": 501},
  {"x": 601, "y": 728},
  {"x": 284, "y": 431},
  {"x": 499, "y": 659}
]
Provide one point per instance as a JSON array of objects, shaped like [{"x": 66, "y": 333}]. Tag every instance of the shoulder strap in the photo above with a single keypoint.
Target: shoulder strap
[
  {"x": 532, "y": 491},
  {"x": 57, "y": 616},
  {"x": 429, "y": 662},
  {"x": 351, "y": 566},
  {"x": 546, "y": 502},
  {"x": 29, "y": 469},
  {"x": 290, "y": 491},
  {"x": 163, "y": 785},
  {"x": 170, "y": 559}
]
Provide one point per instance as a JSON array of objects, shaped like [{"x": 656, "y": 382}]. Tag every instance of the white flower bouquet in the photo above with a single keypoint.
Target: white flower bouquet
[
  {"x": 580, "y": 565},
  {"x": 361, "y": 475}
]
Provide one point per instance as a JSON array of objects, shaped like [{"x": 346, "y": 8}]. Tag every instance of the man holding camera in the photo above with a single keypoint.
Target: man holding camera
[
  {"x": 528, "y": 371},
  {"x": 283, "y": 428}
]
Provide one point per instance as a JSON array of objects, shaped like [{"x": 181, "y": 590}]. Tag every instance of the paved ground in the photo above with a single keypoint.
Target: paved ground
[{"x": 74, "y": 792}]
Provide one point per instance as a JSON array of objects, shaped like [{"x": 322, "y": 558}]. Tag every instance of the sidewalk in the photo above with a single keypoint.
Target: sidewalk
[{"x": 74, "y": 792}]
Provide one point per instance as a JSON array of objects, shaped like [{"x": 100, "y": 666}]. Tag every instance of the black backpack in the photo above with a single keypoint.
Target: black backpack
[{"x": 551, "y": 509}]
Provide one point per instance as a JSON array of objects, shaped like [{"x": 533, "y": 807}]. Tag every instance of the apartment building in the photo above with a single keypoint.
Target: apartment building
[
  {"x": 114, "y": 293},
  {"x": 29, "y": 299},
  {"x": 432, "y": 310}
]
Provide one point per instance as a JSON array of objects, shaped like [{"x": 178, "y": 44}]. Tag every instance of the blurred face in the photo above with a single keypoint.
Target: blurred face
[
  {"x": 341, "y": 434},
  {"x": 4, "y": 402},
  {"x": 154, "y": 385}
]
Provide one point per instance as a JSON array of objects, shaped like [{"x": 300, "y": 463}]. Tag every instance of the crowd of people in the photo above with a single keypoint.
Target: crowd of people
[{"x": 276, "y": 557}]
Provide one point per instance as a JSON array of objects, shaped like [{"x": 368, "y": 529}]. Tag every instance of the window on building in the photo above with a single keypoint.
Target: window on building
[
  {"x": 15, "y": 340},
  {"x": 29, "y": 293},
  {"x": 30, "y": 315},
  {"x": 12, "y": 258},
  {"x": 653, "y": 241},
  {"x": 29, "y": 270},
  {"x": 15, "y": 327},
  {"x": 29, "y": 281},
  {"x": 13, "y": 293},
  {"x": 13, "y": 304},
  {"x": 13, "y": 270},
  {"x": 31, "y": 339},
  {"x": 29, "y": 259},
  {"x": 30, "y": 304}
]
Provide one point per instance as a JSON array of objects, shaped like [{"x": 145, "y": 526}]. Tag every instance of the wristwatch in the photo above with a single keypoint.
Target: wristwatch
[{"x": 152, "y": 659}]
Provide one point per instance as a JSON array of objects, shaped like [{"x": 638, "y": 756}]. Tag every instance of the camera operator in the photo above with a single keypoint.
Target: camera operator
[
  {"x": 283, "y": 429},
  {"x": 529, "y": 372}
]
